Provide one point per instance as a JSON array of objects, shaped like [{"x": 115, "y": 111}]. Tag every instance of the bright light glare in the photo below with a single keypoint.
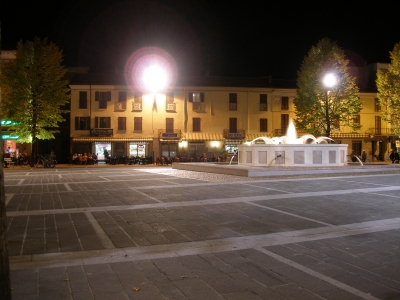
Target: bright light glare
[
  {"x": 155, "y": 78},
  {"x": 329, "y": 80}
]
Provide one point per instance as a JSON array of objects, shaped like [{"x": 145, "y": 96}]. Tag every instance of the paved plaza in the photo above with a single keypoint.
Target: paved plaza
[{"x": 147, "y": 232}]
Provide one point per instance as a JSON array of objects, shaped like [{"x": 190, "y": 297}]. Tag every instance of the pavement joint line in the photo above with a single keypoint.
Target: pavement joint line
[
  {"x": 98, "y": 181},
  {"x": 9, "y": 197},
  {"x": 170, "y": 182},
  {"x": 385, "y": 195},
  {"x": 105, "y": 240},
  {"x": 203, "y": 202},
  {"x": 290, "y": 214},
  {"x": 67, "y": 186},
  {"x": 266, "y": 188},
  {"x": 357, "y": 181},
  {"x": 146, "y": 195},
  {"x": 318, "y": 275},
  {"x": 33, "y": 261}
]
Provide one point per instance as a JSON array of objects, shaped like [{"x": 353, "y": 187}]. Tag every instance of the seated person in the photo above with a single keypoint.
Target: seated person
[
  {"x": 94, "y": 158},
  {"x": 84, "y": 158},
  {"x": 75, "y": 159}
]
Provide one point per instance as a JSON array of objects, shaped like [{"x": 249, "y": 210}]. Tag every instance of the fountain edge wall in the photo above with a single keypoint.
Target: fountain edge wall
[{"x": 301, "y": 155}]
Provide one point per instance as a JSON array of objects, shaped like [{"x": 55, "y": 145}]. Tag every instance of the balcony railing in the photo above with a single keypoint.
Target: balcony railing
[
  {"x": 120, "y": 105},
  {"x": 136, "y": 106},
  {"x": 239, "y": 134},
  {"x": 170, "y": 107},
  {"x": 169, "y": 134},
  {"x": 381, "y": 131},
  {"x": 199, "y": 106}
]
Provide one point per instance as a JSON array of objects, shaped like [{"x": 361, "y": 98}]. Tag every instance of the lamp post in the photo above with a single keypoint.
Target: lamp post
[
  {"x": 155, "y": 79},
  {"x": 329, "y": 81}
]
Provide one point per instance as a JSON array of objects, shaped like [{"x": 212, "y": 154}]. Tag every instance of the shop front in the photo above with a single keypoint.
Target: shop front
[
  {"x": 114, "y": 147},
  {"x": 11, "y": 147}
]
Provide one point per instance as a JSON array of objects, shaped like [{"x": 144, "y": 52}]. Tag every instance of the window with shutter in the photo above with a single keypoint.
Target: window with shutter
[
  {"x": 197, "y": 98},
  {"x": 82, "y": 99},
  {"x": 169, "y": 124},
  {"x": 102, "y": 98},
  {"x": 232, "y": 101},
  {"x": 121, "y": 123},
  {"x": 285, "y": 103},
  {"x": 263, "y": 125},
  {"x": 196, "y": 125},
  {"x": 263, "y": 102},
  {"x": 103, "y": 122},
  {"x": 82, "y": 123},
  {"x": 284, "y": 123},
  {"x": 137, "y": 124},
  {"x": 233, "y": 125},
  {"x": 122, "y": 100},
  {"x": 137, "y": 102}
]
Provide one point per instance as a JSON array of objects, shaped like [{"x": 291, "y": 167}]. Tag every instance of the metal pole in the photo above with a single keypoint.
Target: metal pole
[{"x": 328, "y": 124}]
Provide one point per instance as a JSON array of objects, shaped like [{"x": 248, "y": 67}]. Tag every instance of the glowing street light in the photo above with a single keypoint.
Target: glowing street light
[
  {"x": 151, "y": 70},
  {"x": 329, "y": 81},
  {"x": 155, "y": 78}
]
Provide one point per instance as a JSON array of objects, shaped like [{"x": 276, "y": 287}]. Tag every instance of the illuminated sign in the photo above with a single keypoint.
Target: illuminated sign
[
  {"x": 9, "y": 137},
  {"x": 7, "y": 123}
]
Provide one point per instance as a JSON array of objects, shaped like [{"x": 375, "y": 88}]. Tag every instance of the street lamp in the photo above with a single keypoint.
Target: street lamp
[{"x": 329, "y": 81}]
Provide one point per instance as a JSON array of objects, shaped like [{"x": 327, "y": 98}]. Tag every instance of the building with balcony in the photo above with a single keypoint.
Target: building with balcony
[{"x": 198, "y": 115}]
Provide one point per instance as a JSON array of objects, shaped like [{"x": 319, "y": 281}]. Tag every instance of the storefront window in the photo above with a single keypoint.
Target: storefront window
[
  {"x": 230, "y": 148},
  {"x": 9, "y": 148},
  {"x": 100, "y": 149},
  {"x": 137, "y": 150},
  {"x": 169, "y": 150},
  {"x": 196, "y": 149}
]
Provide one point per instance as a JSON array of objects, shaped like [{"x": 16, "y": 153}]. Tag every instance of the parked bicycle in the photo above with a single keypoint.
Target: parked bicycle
[
  {"x": 45, "y": 162},
  {"x": 23, "y": 161}
]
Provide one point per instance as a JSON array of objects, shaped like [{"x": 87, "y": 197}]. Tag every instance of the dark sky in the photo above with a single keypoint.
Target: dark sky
[{"x": 253, "y": 38}]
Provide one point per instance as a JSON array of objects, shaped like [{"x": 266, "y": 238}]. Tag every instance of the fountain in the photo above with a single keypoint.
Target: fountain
[{"x": 289, "y": 150}]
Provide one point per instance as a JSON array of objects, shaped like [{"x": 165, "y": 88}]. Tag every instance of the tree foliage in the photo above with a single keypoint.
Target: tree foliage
[
  {"x": 318, "y": 109},
  {"x": 33, "y": 90},
  {"x": 388, "y": 85}
]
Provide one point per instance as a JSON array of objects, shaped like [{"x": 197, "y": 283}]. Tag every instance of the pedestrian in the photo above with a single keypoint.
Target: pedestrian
[
  {"x": 363, "y": 156},
  {"x": 353, "y": 156},
  {"x": 396, "y": 157},
  {"x": 392, "y": 156}
]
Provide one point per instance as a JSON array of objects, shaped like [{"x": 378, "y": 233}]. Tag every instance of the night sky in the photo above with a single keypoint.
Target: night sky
[{"x": 221, "y": 38}]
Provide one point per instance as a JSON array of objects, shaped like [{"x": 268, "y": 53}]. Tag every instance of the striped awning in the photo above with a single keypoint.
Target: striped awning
[
  {"x": 200, "y": 136},
  {"x": 252, "y": 136},
  {"x": 86, "y": 139}
]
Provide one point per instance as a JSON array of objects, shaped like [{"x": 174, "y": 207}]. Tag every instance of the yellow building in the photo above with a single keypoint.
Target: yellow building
[{"x": 199, "y": 115}]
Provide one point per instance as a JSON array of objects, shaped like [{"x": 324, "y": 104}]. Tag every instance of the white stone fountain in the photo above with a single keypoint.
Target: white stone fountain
[{"x": 288, "y": 150}]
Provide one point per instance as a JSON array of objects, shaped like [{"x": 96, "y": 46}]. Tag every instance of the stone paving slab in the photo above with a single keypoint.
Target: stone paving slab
[{"x": 191, "y": 235}]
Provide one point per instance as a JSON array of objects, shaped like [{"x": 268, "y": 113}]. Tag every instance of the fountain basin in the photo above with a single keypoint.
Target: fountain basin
[{"x": 301, "y": 155}]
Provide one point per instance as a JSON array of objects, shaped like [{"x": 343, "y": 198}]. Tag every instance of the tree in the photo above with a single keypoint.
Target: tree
[
  {"x": 388, "y": 85},
  {"x": 319, "y": 108},
  {"x": 34, "y": 90},
  {"x": 5, "y": 284}
]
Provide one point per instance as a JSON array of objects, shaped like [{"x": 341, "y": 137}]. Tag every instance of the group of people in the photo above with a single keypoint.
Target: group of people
[
  {"x": 85, "y": 159},
  {"x": 394, "y": 157}
]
